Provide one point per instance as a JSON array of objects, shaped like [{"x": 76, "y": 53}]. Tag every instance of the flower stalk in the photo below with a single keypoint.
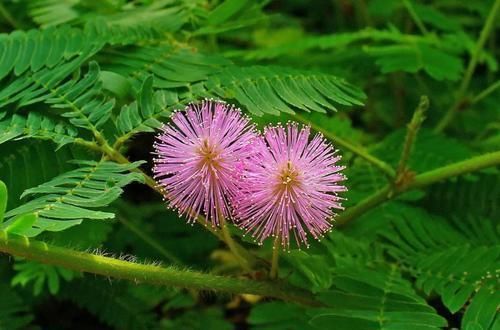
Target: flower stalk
[{"x": 273, "y": 274}]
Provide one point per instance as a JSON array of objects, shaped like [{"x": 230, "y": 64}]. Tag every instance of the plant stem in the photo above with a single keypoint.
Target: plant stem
[
  {"x": 169, "y": 276},
  {"x": 149, "y": 240},
  {"x": 273, "y": 274},
  {"x": 415, "y": 17},
  {"x": 455, "y": 169},
  {"x": 8, "y": 17},
  {"x": 488, "y": 27},
  {"x": 419, "y": 181},
  {"x": 231, "y": 244},
  {"x": 237, "y": 249},
  {"x": 487, "y": 91},
  {"x": 358, "y": 150},
  {"x": 411, "y": 134},
  {"x": 364, "y": 206}
]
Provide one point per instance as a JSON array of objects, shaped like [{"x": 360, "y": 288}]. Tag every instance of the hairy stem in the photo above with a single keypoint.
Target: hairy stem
[
  {"x": 358, "y": 150},
  {"x": 411, "y": 135},
  {"x": 419, "y": 181},
  {"x": 168, "y": 276},
  {"x": 488, "y": 27}
]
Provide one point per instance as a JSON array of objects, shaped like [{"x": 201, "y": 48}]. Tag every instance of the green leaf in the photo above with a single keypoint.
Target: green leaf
[
  {"x": 482, "y": 313},
  {"x": 172, "y": 66},
  {"x": 73, "y": 196},
  {"x": 116, "y": 305},
  {"x": 20, "y": 224},
  {"x": 38, "y": 126},
  {"x": 374, "y": 299},
  {"x": 442, "y": 259},
  {"x": 144, "y": 114},
  {"x": 278, "y": 315},
  {"x": 3, "y": 200},
  {"x": 413, "y": 58},
  {"x": 391, "y": 49},
  {"x": 477, "y": 196},
  {"x": 35, "y": 50},
  {"x": 15, "y": 313},
  {"x": 225, "y": 10},
  {"x": 429, "y": 152},
  {"x": 25, "y": 164},
  {"x": 77, "y": 99},
  {"x": 40, "y": 275},
  {"x": 115, "y": 83},
  {"x": 275, "y": 89},
  {"x": 310, "y": 271}
]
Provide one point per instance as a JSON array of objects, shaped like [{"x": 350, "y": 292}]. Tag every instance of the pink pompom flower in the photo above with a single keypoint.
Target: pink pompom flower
[
  {"x": 291, "y": 187},
  {"x": 200, "y": 157}
]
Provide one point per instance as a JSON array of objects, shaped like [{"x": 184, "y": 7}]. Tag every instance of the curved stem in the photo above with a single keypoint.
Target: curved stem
[
  {"x": 169, "y": 276},
  {"x": 488, "y": 27},
  {"x": 419, "y": 181},
  {"x": 383, "y": 166}
]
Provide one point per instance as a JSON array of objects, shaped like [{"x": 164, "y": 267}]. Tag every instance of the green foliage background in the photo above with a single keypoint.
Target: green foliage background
[{"x": 85, "y": 84}]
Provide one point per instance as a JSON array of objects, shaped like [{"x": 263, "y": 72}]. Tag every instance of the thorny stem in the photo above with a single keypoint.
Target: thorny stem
[
  {"x": 488, "y": 27},
  {"x": 358, "y": 150},
  {"x": 141, "y": 273},
  {"x": 273, "y": 274},
  {"x": 419, "y": 181},
  {"x": 411, "y": 134}
]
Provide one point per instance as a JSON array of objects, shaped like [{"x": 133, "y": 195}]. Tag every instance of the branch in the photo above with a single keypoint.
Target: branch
[
  {"x": 487, "y": 91},
  {"x": 419, "y": 181},
  {"x": 413, "y": 128},
  {"x": 414, "y": 16},
  {"x": 488, "y": 27},
  {"x": 381, "y": 165},
  {"x": 168, "y": 276}
]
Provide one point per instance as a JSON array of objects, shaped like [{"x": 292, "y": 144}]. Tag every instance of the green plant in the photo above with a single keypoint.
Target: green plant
[{"x": 84, "y": 86}]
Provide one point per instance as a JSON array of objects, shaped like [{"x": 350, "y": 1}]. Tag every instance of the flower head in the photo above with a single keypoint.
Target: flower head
[
  {"x": 200, "y": 158},
  {"x": 291, "y": 187}
]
